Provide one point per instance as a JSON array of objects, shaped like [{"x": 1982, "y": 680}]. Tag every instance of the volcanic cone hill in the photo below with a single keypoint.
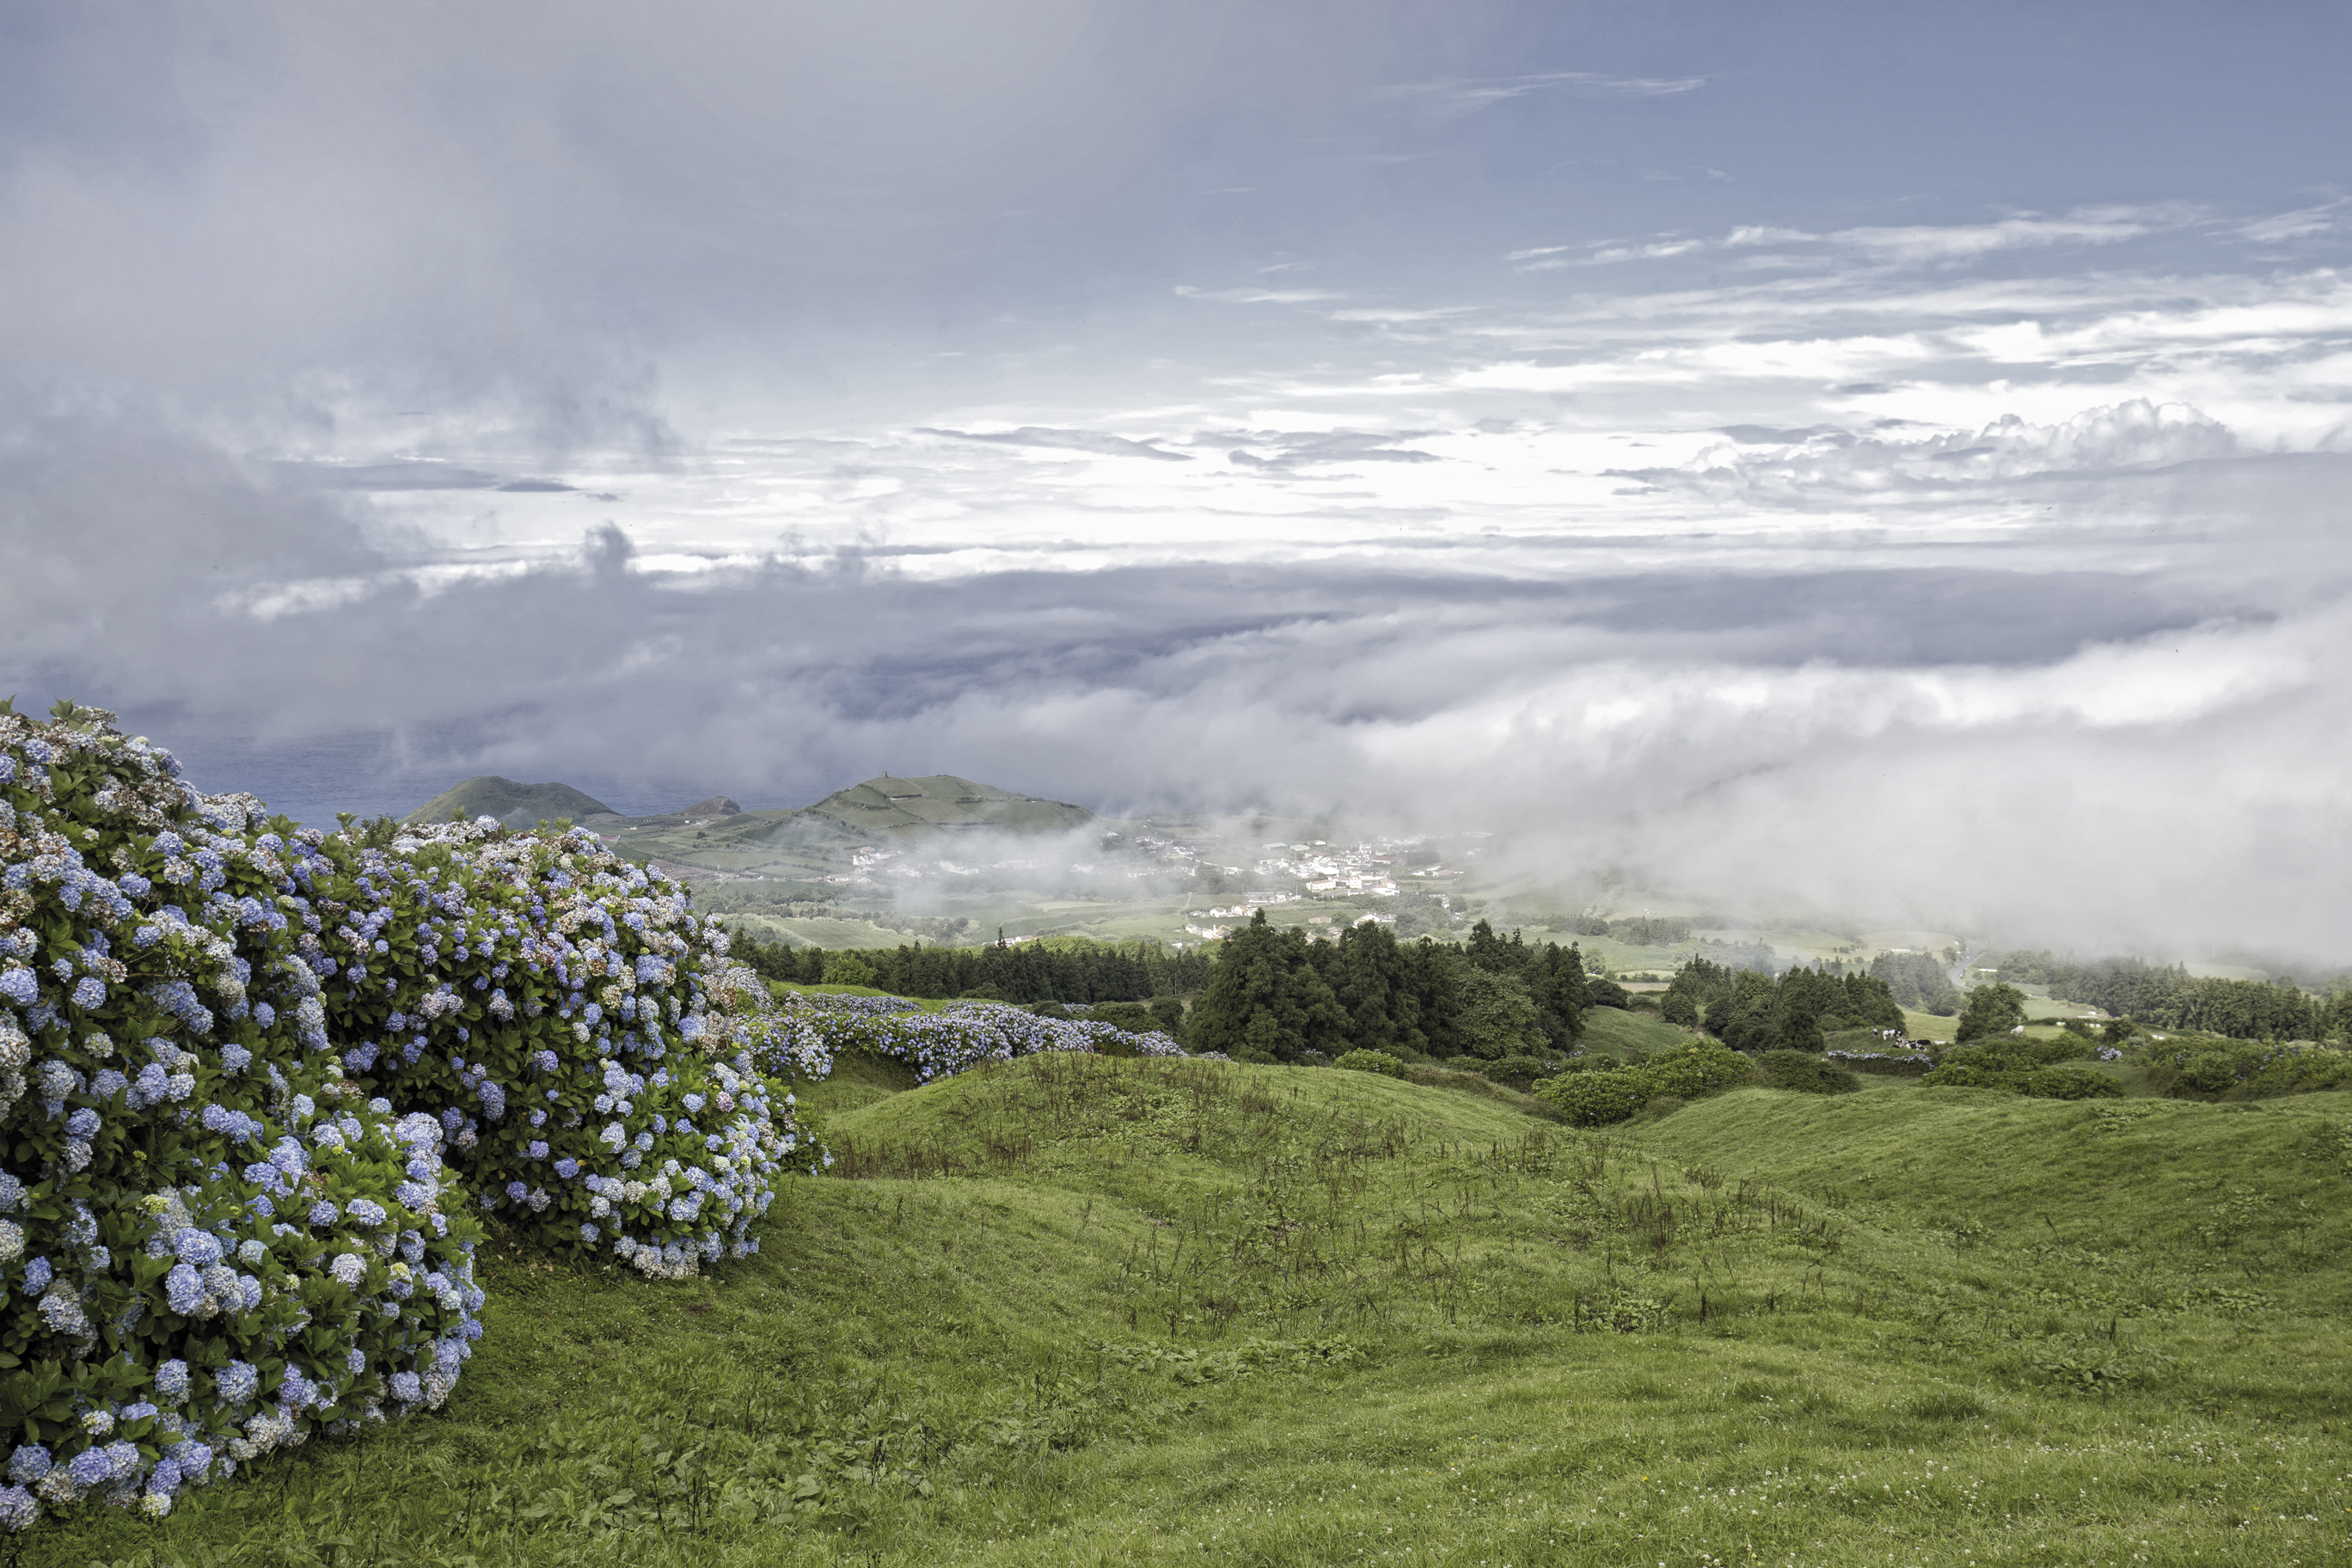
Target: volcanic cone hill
[{"x": 514, "y": 805}]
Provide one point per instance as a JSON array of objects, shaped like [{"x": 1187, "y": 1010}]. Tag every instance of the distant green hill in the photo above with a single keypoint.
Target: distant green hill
[
  {"x": 515, "y": 805},
  {"x": 943, "y": 800}
]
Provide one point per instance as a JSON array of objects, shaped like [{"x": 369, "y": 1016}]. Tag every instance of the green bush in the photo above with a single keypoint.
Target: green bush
[
  {"x": 2207, "y": 1072},
  {"x": 1806, "y": 1073},
  {"x": 1519, "y": 1071},
  {"x": 2210, "y": 1067},
  {"x": 1596, "y": 1099},
  {"x": 2071, "y": 1083},
  {"x": 1380, "y": 1062},
  {"x": 1697, "y": 1069}
]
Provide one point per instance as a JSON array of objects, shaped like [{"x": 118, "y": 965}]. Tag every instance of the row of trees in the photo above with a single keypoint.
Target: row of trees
[
  {"x": 1278, "y": 996},
  {"x": 2169, "y": 998},
  {"x": 1754, "y": 1012},
  {"x": 1070, "y": 969}
]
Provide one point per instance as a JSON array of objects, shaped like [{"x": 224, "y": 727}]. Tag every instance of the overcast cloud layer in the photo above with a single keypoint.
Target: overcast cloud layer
[{"x": 1896, "y": 470}]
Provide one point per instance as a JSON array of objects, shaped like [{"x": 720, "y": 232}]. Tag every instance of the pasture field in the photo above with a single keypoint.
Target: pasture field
[
  {"x": 1094, "y": 1311},
  {"x": 1615, "y": 1030}
]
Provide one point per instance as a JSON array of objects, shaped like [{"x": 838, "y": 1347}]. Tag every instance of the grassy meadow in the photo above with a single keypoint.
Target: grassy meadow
[{"x": 1084, "y": 1311}]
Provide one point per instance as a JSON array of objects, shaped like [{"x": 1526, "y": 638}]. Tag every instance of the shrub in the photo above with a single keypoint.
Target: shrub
[
  {"x": 1806, "y": 1073},
  {"x": 2211, "y": 1068},
  {"x": 1659, "y": 1107},
  {"x": 221, "y": 1244},
  {"x": 1697, "y": 1069},
  {"x": 251, "y": 1049},
  {"x": 1372, "y": 1061},
  {"x": 1132, "y": 1017},
  {"x": 1521, "y": 1071},
  {"x": 475, "y": 973},
  {"x": 1893, "y": 1064},
  {"x": 1596, "y": 1099},
  {"x": 801, "y": 1039},
  {"x": 1593, "y": 1099},
  {"x": 2208, "y": 1072},
  {"x": 2071, "y": 1083}
]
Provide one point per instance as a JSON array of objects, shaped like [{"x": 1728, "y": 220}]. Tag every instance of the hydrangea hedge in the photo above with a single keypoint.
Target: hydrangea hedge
[
  {"x": 568, "y": 1022},
  {"x": 256, "y": 1083},
  {"x": 801, "y": 1039}
]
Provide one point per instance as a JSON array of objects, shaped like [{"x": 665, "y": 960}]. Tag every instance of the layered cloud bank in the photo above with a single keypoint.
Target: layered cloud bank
[{"x": 1985, "y": 571}]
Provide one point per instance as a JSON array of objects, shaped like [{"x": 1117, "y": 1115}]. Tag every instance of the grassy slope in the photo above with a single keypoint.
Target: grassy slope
[
  {"x": 1078, "y": 1310},
  {"x": 1613, "y": 1029}
]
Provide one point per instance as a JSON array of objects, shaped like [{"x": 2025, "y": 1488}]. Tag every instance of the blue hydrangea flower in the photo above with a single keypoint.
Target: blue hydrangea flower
[{"x": 237, "y": 1382}]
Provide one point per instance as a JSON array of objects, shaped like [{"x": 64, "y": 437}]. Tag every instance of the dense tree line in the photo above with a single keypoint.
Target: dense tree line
[
  {"x": 2169, "y": 998},
  {"x": 1065, "y": 969},
  {"x": 1278, "y": 996},
  {"x": 1752, "y": 1012}
]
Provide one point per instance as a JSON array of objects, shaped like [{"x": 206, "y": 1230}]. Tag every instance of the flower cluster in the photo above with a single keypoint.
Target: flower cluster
[
  {"x": 213, "y": 1242},
  {"x": 1892, "y": 1064},
  {"x": 257, "y": 1084},
  {"x": 571, "y": 1025},
  {"x": 801, "y": 1039}
]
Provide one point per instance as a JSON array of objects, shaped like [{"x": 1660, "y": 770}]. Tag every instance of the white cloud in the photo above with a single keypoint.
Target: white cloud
[
  {"x": 1258, "y": 296},
  {"x": 1949, "y": 242},
  {"x": 1452, "y": 98}
]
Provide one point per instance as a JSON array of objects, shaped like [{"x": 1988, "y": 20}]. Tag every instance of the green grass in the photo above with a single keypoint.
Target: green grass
[
  {"x": 1081, "y": 1311},
  {"x": 1615, "y": 1030},
  {"x": 1928, "y": 1027}
]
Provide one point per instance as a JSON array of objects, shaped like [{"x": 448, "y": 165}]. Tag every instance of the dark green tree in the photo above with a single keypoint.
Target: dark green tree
[
  {"x": 1267, "y": 1002},
  {"x": 1992, "y": 1010}
]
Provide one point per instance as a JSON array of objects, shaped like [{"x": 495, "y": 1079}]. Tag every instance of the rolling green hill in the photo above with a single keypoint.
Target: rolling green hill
[
  {"x": 888, "y": 805},
  {"x": 515, "y": 805},
  {"x": 1081, "y": 1311}
]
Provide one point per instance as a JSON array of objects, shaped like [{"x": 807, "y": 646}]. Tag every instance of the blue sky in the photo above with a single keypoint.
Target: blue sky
[{"x": 1889, "y": 460}]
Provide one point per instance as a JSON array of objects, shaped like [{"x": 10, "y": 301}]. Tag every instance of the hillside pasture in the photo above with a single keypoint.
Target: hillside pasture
[{"x": 1083, "y": 1311}]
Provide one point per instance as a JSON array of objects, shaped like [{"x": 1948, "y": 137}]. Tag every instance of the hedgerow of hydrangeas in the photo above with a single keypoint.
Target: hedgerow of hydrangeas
[
  {"x": 571, "y": 1025},
  {"x": 801, "y": 1039},
  {"x": 213, "y": 1243}
]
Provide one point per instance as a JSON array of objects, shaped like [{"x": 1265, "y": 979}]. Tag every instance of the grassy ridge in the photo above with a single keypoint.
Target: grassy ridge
[{"x": 1093, "y": 1311}]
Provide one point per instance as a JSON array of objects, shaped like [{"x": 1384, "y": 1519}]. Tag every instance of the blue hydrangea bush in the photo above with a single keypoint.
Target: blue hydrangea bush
[
  {"x": 571, "y": 1027},
  {"x": 213, "y": 1242},
  {"x": 259, "y": 1084},
  {"x": 801, "y": 1039}
]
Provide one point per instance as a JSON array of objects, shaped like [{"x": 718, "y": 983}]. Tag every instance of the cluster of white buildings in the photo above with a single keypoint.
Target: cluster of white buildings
[{"x": 1331, "y": 869}]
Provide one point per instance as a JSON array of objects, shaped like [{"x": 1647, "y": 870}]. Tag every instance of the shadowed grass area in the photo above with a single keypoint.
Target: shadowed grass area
[{"x": 1083, "y": 1311}]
